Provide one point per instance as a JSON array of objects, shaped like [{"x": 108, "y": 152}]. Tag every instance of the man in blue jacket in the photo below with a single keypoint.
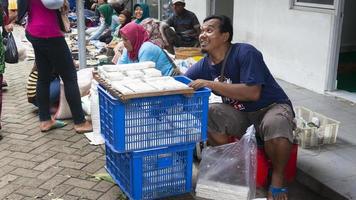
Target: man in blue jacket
[{"x": 250, "y": 96}]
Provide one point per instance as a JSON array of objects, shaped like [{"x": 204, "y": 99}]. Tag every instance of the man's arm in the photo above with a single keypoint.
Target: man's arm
[
  {"x": 196, "y": 25},
  {"x": 240, "y": 92}
]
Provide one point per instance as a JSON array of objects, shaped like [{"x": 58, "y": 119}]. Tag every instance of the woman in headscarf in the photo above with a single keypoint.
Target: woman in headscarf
[
  {"x": 106, "y": 13},
  {"x": 138, "y": 48},
  {"x": 141, "y": 12}
]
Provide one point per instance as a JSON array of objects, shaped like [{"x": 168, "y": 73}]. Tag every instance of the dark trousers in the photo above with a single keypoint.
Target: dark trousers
[{"x": 53, "y": 55}]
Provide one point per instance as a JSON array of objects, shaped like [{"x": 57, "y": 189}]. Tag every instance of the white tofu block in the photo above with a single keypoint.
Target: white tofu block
[{"x": 152, "y": 72}]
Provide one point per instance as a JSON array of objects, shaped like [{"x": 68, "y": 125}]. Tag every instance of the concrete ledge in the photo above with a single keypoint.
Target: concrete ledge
[{"x": 318, "y": 187}]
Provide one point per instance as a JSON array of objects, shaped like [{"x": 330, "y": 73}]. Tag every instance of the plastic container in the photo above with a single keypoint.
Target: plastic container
[
  {"x": 264, "y": 166},
  {"x": 312, "y": 136},
  {"x": 152, "y": 122},
  {"x": 186, "y": 52},
  {"x": 152, "y": 174}
]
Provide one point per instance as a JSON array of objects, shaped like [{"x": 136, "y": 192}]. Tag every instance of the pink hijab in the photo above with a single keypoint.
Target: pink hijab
[{"x": 137, "y": 35}]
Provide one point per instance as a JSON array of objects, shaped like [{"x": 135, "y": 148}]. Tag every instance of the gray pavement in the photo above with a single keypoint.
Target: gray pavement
[
  {"x": 329, "y": 169},
  {"x": 59, "y": 164}
]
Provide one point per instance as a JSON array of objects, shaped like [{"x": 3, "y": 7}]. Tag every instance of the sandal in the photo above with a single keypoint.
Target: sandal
[
  {"x": 55, "y": 125},
  {"x": 275, "y": 191}
]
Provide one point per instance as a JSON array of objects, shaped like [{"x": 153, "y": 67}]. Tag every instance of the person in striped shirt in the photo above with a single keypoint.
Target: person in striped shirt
[{"x": 54, "y": 90}]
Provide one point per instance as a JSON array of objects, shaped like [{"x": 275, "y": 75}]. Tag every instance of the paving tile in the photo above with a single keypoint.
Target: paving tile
[
  {"x": 57, "y": 192},
  {"x": 63, "y": 149},
  {"x": 23, "y": 163},
  {"x": 6, "y": 169},
  {"x": 20, "y": 155},
  {"x": 90, "y": 157},
  {"x": 33, "y": 192},
  {"x": 5, "y": 180},
  {"x": 18, "y": 136},
  {"x": 69, "y": 197},
  {"x": 25, "y": 172},
  {"x": 74, "y": 173},
  {"x": 84, "y": 193},
  {"x": 4, "y": 153},
  {"x": 14, "y": 197},
  {"x": 53, "y": 182},
  {"x": 50, "y": 172},
  {"x": 4, "y": 146},
  {"x": 113, "y": 193},
  {"x": 44, "y": 156},
  {"x": 80, "y": 144},
  {"x": 74, "y": 138},
  {"x": 46, "y": 164},
  {"x": 8, "y": 189},
  {"x": 80, "y": 183},
  {"x": 68, "y": 157},
  {"x": 69, "y": 164},
  {"x": 103, "y": 186},
  {"x": 21, "y": 148},
  {"x": 30, "y": 182},
  {"x": 94, "y": 166},
  {"x": 5, "y": 161}
]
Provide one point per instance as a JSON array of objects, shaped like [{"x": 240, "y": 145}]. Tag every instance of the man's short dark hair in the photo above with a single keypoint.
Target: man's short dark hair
[{"x": 225, "y": 24}]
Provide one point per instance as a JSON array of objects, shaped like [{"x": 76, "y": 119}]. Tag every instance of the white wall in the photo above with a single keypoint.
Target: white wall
[
  {"x": 295, "y": 43},
  {"x": 348, "y": 38},
  {"x": 198, "y": 7}
]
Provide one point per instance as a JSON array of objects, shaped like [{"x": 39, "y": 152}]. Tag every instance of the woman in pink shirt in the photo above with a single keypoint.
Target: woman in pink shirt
[{"x": 52, "y": 54}]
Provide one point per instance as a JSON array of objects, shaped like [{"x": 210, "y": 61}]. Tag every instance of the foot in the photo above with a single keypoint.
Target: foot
[
  {"x": 51, "y": 124},
  {"x": 4, "y": 83},
  {"x": 0, "y": 137},
  {"x": 277, "y": 193},
  {"x": 84, "y": 127}
]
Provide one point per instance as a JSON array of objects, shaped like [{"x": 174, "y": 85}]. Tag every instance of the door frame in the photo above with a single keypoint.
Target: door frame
[{"x": 335, "y": 44}]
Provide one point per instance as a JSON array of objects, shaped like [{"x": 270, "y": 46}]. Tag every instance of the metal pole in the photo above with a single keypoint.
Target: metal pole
[{"x": 81, "y": 34}]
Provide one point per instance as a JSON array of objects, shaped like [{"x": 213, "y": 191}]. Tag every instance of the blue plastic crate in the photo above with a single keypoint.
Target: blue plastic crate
[
  {"x": 150, "y": 122},
  {"x": 152, "y": 174}
]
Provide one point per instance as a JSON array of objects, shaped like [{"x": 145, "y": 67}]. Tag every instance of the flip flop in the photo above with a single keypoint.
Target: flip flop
[
  {"x": 57, "y": 124},
  {"x": 277, "y": 191}
]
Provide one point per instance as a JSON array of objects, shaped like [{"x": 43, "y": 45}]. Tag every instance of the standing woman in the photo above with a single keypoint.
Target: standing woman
[
  {"x": 52, "y": 54},
  {"x": 2, "y": 57},
  {"x": 5, "y": 23}
]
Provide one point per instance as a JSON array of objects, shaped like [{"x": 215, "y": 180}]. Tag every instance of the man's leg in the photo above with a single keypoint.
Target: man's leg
[
  {"x": 224, "y": 120},
  {"x": 278, "y": 150},
  {"x": 276, "y": 128}
]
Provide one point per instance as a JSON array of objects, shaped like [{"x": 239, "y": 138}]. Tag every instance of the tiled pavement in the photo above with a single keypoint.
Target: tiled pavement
[{"x": 35, "y": 165}]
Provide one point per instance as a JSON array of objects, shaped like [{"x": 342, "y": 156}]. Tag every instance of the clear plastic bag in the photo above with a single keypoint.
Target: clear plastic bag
[
  {"x": 11, "y": 53},
  {"x": 229, "y": 171}
]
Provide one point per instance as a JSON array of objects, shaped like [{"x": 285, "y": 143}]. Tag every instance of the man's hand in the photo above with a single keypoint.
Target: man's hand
[
  {"x": 199, "y": 83},
  {"x": 9, "y": 28}
]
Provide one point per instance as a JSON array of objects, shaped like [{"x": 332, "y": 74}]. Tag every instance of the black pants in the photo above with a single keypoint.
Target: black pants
[{"x": 53, "y": 55}]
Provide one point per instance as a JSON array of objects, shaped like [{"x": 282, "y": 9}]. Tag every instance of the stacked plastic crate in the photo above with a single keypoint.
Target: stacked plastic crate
[{"x": 150, "y": 141}]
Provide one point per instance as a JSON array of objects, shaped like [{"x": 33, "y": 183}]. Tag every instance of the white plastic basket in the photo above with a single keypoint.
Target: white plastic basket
[{"x": 309, "y": 136}]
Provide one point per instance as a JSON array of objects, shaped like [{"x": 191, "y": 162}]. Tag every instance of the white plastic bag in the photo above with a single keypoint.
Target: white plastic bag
[{"x": 229, "y": 171}]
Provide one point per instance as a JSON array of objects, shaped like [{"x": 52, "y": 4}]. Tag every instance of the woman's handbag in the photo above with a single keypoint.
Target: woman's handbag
[{"x": 11, "y": 53}]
